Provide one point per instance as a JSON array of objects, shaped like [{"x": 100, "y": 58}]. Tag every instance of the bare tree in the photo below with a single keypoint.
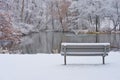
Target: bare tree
[
  {"x": 115, "y": 17},
  {"x": 62, "y": 11},
  {"x": 22, "y": 10}
]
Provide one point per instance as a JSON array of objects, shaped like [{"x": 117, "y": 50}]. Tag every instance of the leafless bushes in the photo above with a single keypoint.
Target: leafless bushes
[{"x": 8, "y": 35}]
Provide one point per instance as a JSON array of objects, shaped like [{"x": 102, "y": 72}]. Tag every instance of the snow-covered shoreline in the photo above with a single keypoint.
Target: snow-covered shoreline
[{"x": 50, "y": 67}]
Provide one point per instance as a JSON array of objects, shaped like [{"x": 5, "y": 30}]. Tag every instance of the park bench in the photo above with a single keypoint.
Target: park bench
[{"x": 85, "y": 49}]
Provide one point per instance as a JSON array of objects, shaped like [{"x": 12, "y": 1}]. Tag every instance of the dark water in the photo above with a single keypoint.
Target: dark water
[{"x": 49, "y": 42}]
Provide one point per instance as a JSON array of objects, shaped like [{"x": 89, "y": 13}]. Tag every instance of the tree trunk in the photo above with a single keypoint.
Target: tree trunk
[
  {"x": 60, "y": 18},
  {"x": 22, "y": 10},
  {"x": 97, "y": 23},
  {"x": 119, "y": 27},
  {"x": 52, "y": 16}
]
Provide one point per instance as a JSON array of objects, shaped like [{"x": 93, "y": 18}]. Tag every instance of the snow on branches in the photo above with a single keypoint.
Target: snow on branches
[{"x": 7, "y": 32}]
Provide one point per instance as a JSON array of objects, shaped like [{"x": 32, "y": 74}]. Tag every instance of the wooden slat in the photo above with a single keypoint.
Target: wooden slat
[
  {"x": 85, "y": 49},
  {"x": 68, "y": 44},
  {"x": 88, "y": 47},
  {"x": 84, "y": 53}
]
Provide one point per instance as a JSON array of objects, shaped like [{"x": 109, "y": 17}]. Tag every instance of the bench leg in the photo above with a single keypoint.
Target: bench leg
[
  {"x": 64, "y": 59},
  {"x": 103, "y": 58},
  {"x": 64, "y": 55}
]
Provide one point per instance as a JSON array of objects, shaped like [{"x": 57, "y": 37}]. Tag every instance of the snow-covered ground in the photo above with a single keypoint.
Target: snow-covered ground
[{"x": 50, "y": 67}]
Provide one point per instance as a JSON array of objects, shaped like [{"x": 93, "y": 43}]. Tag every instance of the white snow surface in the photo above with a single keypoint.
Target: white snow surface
[{"x": 50, "y": 67}]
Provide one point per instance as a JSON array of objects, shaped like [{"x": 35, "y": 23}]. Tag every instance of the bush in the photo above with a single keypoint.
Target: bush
[{"x": 7, "y": 32}]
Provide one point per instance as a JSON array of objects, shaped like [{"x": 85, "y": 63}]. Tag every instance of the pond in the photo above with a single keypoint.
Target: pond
[{"x": 49, "y": 42}]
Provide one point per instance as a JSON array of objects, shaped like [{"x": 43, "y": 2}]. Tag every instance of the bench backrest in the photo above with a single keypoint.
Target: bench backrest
[{"x": 85, "y": 47}]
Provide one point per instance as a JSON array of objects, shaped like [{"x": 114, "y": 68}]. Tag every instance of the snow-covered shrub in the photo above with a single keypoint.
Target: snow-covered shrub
[
  {"x": 24, "y": 28},
  {"x": 105, "y": 29},
  {"x": 7, "y": 33}
]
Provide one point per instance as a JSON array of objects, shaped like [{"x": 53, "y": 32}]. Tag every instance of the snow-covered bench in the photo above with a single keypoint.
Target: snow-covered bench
[{"x": 85, "y": 49}]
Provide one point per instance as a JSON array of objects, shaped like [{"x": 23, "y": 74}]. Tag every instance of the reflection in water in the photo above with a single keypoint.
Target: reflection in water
[
  {"x": 49, "y": 42},
  {"x": 43, "y": 42}
]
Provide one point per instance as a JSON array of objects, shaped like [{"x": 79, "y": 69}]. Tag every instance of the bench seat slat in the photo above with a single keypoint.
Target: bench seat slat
[
  {"x": 86, "y": 50},
  {"x": 94, "y": 47},
  {"x": 84, "y": 53}
]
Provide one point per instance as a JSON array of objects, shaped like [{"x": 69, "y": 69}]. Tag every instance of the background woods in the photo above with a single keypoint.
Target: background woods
[{"x": 64, "y": 15}]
